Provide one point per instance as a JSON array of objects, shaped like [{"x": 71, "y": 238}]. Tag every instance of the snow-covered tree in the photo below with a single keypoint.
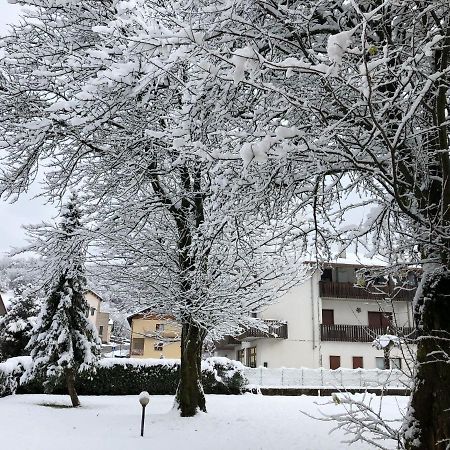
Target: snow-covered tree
[
  {"x": 112, "y": 101},
  {"x": 16, "y": 326},
  {"x": 63, "y": 340},
  {"x": 367, "y": 85}
]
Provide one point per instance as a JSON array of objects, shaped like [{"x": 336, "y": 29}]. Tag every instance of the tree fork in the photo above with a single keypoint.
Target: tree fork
[{"x": 428, "y": 424}]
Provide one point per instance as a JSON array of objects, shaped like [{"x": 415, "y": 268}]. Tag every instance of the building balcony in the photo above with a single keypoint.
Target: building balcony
[
  {"x": 359, "y": 333},
  {"x": 331, "y": 289},
  {"x": 137, "y": 352},
  {"x": 275, "y": 329}
]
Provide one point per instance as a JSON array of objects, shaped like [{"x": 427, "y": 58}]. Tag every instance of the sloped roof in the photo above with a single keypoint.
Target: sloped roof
[
  {"x": 94, "y": 294},
  {"x": 150, "y": 315}
]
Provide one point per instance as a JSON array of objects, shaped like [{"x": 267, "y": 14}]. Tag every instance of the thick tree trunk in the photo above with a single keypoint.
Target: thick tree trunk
[
  {"x": 70, "y": 381},
  {"x": 190, "y": 396},
  {"x": 428, "y": 426}
]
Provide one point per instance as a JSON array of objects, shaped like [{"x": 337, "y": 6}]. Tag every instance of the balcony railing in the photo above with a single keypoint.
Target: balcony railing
[
  {"x": 349, "y": 290},
  {"x": 275, "y": 329},
  {"x": 359, "y": 333},
  {"x": 137, "y": 352}
]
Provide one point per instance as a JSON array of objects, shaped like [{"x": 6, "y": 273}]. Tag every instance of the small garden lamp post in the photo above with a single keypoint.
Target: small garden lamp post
[{"x": 144, "y": 399}]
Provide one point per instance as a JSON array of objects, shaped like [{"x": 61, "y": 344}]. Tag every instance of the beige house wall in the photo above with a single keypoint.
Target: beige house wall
[
  {"x": 146, "y": 329},
  {"x": 94, "y": 306},
  {"x": 103, "y": 326},
  {"x": 98, "y": 318}
]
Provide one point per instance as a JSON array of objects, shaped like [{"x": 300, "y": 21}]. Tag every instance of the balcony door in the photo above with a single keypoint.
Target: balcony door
[
  {"x": 327, "y": 316},
  {"x": 378, "y": 319}
]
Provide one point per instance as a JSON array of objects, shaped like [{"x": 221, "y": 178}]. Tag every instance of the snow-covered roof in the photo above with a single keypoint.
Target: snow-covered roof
[
  {"x": 360, "y": 260},
  {"x": 354, "y": 259},
  {"x": 94, "y": 293},
  {"x": 150, "y": 314}
]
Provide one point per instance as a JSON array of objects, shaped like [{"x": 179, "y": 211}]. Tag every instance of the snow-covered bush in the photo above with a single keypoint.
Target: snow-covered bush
[
  {"x": 128, "y": 376},
  {"x": 16, "y": 326},
  {"x": 10, "y": 372}
]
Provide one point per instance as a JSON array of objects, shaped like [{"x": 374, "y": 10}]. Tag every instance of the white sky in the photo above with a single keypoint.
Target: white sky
[{"x": 26, "y": 210}]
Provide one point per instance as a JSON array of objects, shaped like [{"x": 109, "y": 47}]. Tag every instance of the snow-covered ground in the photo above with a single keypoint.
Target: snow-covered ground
[{"x": 247, "y": 422}]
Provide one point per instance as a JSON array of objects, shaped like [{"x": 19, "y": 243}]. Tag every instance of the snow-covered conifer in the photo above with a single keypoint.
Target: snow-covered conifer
[
  {"x": 63, "y": 342},
  {"x": 16, "y": 326}
]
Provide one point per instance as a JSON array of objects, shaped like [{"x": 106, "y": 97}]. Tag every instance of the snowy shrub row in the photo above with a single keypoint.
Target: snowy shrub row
[{"x": 131, "y": 376}]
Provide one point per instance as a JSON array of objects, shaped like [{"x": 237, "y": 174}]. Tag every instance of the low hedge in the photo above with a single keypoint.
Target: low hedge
[{"x": 131, "y": 376}]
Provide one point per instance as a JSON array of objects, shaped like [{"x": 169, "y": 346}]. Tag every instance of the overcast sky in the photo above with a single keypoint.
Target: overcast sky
[{"x": 26, "y": 210}]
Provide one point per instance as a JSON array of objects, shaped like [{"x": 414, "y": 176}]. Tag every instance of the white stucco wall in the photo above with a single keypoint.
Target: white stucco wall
[
  {"x": 346, "y": 351},
  {"x": 345, "y": 312},
  {"x": 301, "y": 308}
]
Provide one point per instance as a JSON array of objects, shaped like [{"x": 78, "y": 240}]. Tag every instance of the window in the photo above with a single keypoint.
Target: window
[
  {"x": 327, "y": 275},
  {"x": 379, "y": 362},
  {"x": 158, "y": 346},
  {"x": 335, "y": 362},
  {"x": 358, "y": 362},
  {"x": 137, "y": 347},
  {"x": 395, "y": 363},
  {"x": 240, "y": 356},
  {"x": 92, "y": 311},
  {"x": 345, "y": 275},
  {"x": 378, "y": 319},
  {"x": 100, "y": 330},
  {"x": 412, "y": 279},
  {"x": 251, "y": 357},
  {"x": 327, "y": 316},
  {"x": 159, "y": 327}
]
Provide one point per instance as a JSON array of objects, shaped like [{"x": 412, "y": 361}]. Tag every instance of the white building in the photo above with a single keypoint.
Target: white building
[{"x": 328, "y": 322}]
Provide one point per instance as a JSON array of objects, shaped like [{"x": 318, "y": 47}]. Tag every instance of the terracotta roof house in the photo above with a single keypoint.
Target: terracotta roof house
[{"x": 154, "y": 335}]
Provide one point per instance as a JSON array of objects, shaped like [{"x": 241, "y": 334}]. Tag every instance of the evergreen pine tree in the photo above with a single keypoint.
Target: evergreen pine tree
[
  {"x": 16, "y": 326},
  {"x": 64, "y": 342}
]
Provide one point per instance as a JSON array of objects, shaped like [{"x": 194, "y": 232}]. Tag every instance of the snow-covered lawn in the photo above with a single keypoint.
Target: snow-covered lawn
[{"x": 252, "y": 422}]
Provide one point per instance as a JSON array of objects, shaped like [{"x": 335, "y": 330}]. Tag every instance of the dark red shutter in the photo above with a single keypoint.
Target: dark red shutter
[
  {"x": 335, "y": 362},
  {"x": 358, "y": 362}
]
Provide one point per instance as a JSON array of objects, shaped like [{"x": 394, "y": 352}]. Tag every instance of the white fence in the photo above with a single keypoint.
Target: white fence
[{"x": 313, "y": 378}]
